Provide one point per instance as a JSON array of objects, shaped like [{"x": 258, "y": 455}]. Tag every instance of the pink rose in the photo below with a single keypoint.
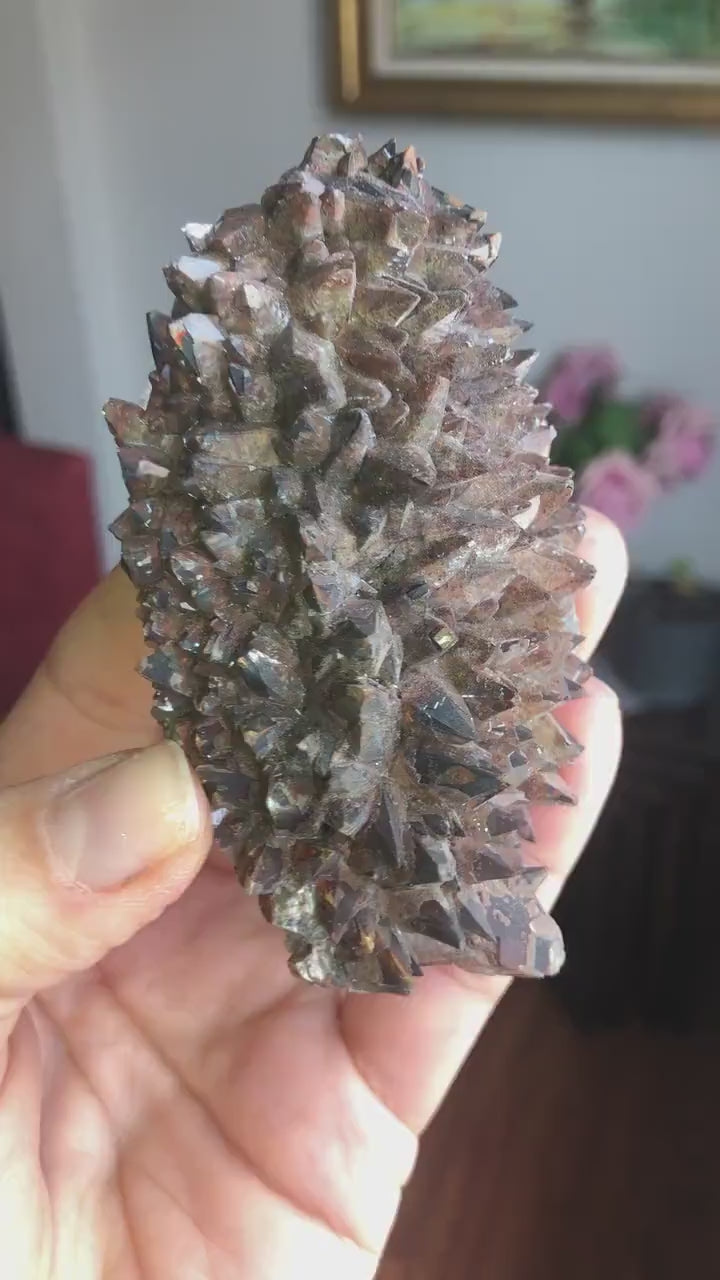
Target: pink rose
[
  {"x": 684, "y": 444},
  {"x": 576, "y": 378},
  {"x": 618, "y": 486}
]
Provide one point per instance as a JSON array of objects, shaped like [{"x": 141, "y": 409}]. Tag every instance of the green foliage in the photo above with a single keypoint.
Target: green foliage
[
  {"x": 608, "y": 425},
  {"x": 616, "y": 424},
  {"x": 573, "y": 449}
]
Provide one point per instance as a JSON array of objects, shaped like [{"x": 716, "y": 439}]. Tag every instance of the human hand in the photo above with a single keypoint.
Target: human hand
[{"x": 174, "y": 1105}]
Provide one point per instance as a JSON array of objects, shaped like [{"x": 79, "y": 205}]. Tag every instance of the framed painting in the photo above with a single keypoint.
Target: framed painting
[{"x": 623, "y": 60}]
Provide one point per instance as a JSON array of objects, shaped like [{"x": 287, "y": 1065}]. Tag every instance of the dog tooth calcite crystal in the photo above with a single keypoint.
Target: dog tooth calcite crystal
[{"x": 356, "y": 568}]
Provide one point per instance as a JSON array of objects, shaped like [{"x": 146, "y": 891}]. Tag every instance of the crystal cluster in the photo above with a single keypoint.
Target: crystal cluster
[{"x": 355, "y": 567}]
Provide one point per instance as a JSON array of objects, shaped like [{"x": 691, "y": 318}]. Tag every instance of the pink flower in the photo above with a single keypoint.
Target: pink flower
[
  {"x": 618, "y": 486},
  {"x": 577, "y": 377},
  {"x": 684, "y": 444},
  {"x": 654, "y": 410}
]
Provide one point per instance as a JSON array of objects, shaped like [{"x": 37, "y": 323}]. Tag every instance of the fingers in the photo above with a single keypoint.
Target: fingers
[
  {"x": 410, "y": 1050},
  {"x": 602, "y": 546},
  {"x": 87, "y": 699},
  {"x": 88, "y": 858},
  {"x": 561, "y": 832}
]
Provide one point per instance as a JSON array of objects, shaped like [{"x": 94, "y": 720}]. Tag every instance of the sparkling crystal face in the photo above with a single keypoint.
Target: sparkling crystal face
[{"x": 355, "y": 568}]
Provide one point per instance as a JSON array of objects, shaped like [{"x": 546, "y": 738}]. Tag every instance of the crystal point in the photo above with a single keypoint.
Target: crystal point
[{"x": 356, "y": 568}]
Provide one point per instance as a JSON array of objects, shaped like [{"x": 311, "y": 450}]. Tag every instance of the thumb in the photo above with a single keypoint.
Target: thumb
[{"x": 89, "y": 857}]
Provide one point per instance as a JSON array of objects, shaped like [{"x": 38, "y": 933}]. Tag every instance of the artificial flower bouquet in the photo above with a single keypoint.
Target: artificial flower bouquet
[{"x": 626, "y": 452}]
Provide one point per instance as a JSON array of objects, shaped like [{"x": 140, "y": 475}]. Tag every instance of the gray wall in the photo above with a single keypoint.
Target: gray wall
[{"x": 130, "y": 117}]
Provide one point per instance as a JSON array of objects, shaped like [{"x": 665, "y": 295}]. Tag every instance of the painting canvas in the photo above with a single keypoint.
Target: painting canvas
[
  {"x": 645, "y": 31},
  {"x": 653, "y": 59}
]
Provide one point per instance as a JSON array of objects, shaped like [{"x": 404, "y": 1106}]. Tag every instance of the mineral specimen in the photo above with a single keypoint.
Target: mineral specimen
[{"x": 356, "y": 567}]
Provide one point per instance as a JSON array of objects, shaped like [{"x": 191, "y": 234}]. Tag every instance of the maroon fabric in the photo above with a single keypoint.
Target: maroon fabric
[{"x": 48, "y": 554}]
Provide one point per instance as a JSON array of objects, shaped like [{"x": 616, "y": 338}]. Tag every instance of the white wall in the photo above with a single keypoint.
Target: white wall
[
  {"x": 37, "y": 282},
  {"x": 153, "y": 112}
]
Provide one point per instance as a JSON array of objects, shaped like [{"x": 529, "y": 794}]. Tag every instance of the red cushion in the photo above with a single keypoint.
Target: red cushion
[{"x": 48, "y": 553}]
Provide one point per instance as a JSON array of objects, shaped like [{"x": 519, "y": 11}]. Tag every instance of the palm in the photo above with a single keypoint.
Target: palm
[
  {"x": 187, "y": 1109},
  {"x": 219, "y": 1112}
]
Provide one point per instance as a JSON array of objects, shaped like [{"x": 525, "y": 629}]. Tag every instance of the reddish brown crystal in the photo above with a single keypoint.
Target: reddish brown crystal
[{"x": 355, "y": 568}]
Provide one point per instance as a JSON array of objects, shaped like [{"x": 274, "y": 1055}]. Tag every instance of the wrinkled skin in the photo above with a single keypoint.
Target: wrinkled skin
[{"x": 184, "y": 1108}]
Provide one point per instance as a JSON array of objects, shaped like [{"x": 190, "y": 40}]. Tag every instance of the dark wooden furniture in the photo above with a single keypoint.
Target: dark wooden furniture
[
  {"x": 582, "y": 1139},
  {"x": 641, "y": 913},
  {"x": 563, "y": 1154}
]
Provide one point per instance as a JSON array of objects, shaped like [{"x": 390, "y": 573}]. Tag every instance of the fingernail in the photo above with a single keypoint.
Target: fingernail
[
  {"x": 597, "y": 688},
  {"x": 137, "y": 811}
]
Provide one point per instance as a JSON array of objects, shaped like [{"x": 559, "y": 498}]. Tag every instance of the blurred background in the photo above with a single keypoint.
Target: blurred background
[{"x": 121, "y": 121}]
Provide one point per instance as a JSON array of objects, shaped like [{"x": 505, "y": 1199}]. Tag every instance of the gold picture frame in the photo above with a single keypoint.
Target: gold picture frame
[{"x": 369, "y": 76}]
